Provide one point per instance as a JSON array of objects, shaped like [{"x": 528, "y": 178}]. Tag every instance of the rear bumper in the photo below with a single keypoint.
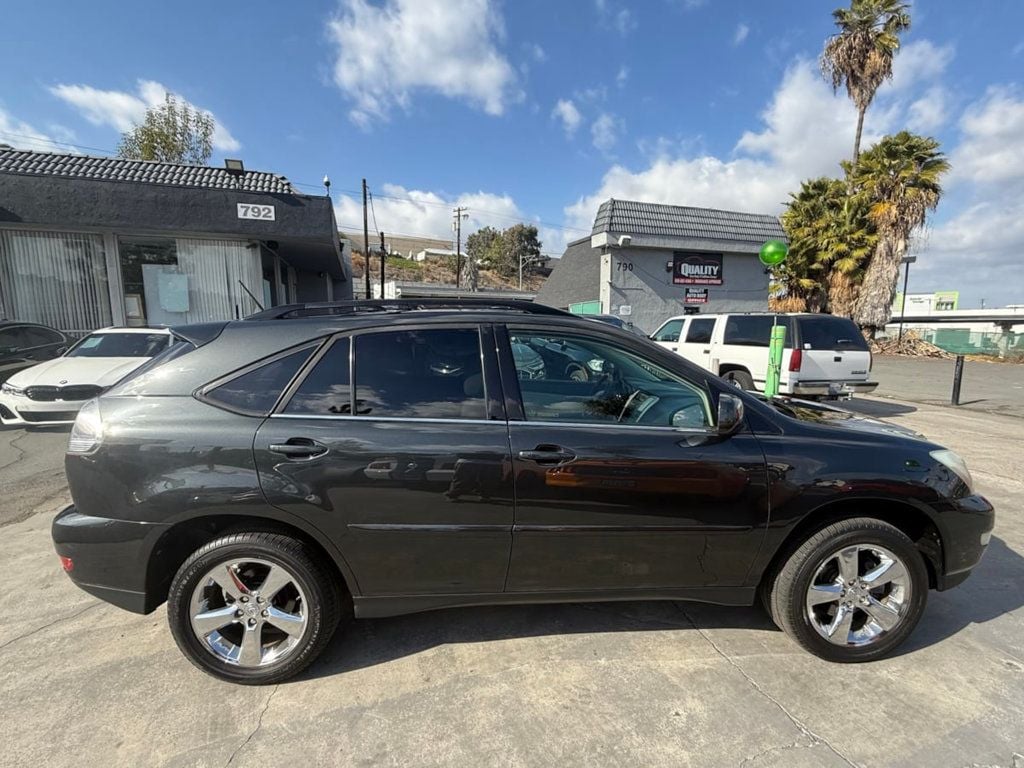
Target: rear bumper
[
  {"x": 968, "y": 527},
  {"x": 110, "y": 557},
  {"x": 833, "y": 388}
]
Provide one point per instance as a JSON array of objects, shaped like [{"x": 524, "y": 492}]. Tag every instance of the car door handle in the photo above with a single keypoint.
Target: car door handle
[
  {"x": 299, "y": 448},
  {"x": 548, "y": 454}
]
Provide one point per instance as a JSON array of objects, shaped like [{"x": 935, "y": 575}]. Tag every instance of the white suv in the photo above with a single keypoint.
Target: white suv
[{"x": 825, "y": 356}]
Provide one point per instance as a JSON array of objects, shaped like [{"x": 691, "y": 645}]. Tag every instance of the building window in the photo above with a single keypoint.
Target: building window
[
  {"x": 187, "y": 280},
  {"x": 54, "y": 278}
]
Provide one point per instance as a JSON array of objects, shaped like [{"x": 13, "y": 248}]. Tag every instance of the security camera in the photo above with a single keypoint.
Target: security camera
[{"x": 624, "y": 241}]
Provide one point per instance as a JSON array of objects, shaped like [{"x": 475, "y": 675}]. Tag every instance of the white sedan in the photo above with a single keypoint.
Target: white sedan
[{"x": 52, "y": 392}]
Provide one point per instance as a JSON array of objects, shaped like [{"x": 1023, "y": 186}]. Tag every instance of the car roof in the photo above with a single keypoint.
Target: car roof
[{"x": 753, "y": 314}]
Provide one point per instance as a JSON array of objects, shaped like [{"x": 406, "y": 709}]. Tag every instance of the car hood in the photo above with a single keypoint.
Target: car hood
[
  {"x": 831, "y": 416},
  {"x": 61, "y": 371}
]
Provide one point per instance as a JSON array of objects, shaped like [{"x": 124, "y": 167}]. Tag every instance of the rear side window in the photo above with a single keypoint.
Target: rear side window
[
  {"x": 700, "y": 330},
  {"x": 754, "y": 330},
  {"x": 431, "y": 373},
  {"x": 669, "y": 331},
  {"x": 828, "y": 332},
  {"x": 326, "y": 391},
  {"x": 39, "y": 337},
  {"x": 256, "y": 391}
]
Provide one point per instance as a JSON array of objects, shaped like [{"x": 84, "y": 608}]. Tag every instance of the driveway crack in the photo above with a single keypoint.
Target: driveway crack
[
  {"x": 799, "y": 724},
  {"x": 259, "y": 724},
  {"x": 52, "y": 623}
]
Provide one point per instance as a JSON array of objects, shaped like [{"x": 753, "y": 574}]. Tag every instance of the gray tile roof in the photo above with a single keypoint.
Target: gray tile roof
[
  {"x": 143, "y": 171},
  {"x": 628, "y": 217}
]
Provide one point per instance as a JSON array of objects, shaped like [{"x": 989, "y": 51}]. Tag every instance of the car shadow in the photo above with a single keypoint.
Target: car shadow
[
  {"x": 877, "y": 408},
  {"x": 992, "y": 591}
]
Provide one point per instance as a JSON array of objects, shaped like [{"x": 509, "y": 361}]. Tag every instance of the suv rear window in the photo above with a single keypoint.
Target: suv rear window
[
  {"x": 829, "y": 332},
  {"x": 755, "y": 330}
]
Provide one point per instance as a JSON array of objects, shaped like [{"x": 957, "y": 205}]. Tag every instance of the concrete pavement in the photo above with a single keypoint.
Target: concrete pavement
[
  {"x": 623, "y": 684},
  {"x": 986, "y": 386}
]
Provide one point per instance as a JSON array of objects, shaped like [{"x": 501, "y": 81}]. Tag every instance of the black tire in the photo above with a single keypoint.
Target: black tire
[
  {"x": 785, "y": 593},
  {"x": 741, "y": 379},
  {"x": 322, "y": 596}
]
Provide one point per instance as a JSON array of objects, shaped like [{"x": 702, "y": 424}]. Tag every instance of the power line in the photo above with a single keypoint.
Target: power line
[{"x": 54, "y": 142}]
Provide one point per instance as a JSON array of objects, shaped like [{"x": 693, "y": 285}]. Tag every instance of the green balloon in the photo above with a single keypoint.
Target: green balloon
[{"x": 773, "y": 253}]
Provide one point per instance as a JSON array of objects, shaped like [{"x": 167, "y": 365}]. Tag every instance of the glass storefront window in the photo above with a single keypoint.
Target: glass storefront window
[{"x": 58, "y": 279}]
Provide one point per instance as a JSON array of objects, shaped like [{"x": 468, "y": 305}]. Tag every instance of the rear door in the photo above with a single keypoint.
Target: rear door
[
  {"x": 668, "y": 335},
  {"x": 832, "y": 349},
  {"x": 396, "y": 446},
  {"x": 695, "y": 343}
]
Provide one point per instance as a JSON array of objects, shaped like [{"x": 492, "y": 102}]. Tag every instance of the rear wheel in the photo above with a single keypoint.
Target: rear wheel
[
  {"x": 852, "y": 592},
  {"x": 740, "y": 379},
  {"x": 253, "y": 608}
]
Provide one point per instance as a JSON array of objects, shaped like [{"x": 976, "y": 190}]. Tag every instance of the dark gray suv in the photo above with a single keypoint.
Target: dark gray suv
[{"x": 271, "y": 476}]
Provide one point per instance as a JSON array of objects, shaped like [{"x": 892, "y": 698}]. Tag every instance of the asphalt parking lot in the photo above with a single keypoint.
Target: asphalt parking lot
[{"x": 83, "y": 683}]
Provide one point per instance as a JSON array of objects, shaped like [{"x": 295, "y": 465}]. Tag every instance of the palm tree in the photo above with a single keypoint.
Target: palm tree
[
  {"x": 860, "y": 55},
  {"x": 899, "y": 178},
  {"x": 831, "y": 238}
]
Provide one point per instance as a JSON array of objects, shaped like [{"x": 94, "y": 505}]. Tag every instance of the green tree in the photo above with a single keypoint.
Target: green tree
[
  {"x": 898, "y": 179},
  {"x": 481, "y": 245},
  {"x": 831, "y": 239},
  {"x": 172, "y": 132},
  {"x": 520, "y": 241},
  {"x": 860, "y": 55}
]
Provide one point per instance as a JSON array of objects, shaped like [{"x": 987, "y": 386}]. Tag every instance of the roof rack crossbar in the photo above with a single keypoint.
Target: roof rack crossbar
[{"x": 323, "y": 309}]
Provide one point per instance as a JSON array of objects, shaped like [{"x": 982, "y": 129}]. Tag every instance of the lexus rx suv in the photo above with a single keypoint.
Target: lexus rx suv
[{"x": 270, "y": 477}]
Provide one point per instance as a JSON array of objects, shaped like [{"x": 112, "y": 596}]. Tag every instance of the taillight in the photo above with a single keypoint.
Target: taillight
[
  {"x": 796, "y": 359},
  {"x": 67, "y": 564}
]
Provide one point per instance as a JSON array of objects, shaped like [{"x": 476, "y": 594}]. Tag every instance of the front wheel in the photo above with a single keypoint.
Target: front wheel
[
  {"x": 253, "y": 608},
  {"x": 852, "y": 592}
]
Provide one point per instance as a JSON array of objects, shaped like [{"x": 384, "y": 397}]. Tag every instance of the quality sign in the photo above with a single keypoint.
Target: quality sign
[{"x": 696, "y": 268}]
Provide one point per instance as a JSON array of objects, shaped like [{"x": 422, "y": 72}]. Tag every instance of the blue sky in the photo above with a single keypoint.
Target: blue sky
[{"x": 537, "y": 111}]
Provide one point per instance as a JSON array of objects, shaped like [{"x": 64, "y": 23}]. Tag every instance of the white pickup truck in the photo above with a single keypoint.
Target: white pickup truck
[{"x": 824, "y": 356}]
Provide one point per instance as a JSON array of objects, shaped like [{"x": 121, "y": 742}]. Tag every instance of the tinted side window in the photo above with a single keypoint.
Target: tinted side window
[
  {"x": 10, "y": 338},
  {"x": 326, "y": 390},
  {"x": 39, "y": 337},
  {"x": 257, "y": 391},
  {"x": 829, "y": 332},
  {"x": 669, "y": 331},
  {"x": 433, "y": 373},
  {"x": 570, "y": 378},
  {"x": 700, "y": 330},
  {"x": 748, "y": 330}
]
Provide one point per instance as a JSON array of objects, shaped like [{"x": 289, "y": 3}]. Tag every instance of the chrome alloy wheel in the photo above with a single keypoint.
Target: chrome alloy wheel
[
  {"x": 858, "y": 594},
  {"x": 250, "y": 613}
]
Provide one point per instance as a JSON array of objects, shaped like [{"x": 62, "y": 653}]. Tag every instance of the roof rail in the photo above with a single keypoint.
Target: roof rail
[{"x": 323, "y": 309}]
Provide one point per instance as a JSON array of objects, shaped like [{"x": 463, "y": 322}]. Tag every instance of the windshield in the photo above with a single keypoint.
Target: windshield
[{"x": 121, "y": 345}]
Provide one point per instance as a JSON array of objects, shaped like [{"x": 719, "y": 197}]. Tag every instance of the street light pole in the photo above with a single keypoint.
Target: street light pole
[
  {"x": 906, "y": 261},
  {"x": 460, "y": 214}
]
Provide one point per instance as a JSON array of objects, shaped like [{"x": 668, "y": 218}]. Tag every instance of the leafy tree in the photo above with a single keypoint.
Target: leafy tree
[
  {"x": 860, "y": 55},
  {"x": 481, "y": 245},
  {"x": 172, "y": 132},
  {"x": 831, "y": 239},
  {"x": 899, "y": 180},
  {"x": 520, "y": 241}
]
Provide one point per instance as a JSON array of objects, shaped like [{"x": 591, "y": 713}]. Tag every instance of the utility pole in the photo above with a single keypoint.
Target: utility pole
[
  {"x": 907, "y": 261},
  {"x": 460, "y": 214},
  {"x": 383, "y": 253},
  {"x": 366, "y": 244}
]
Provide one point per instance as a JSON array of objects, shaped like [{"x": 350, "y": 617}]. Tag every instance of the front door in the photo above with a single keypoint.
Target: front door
[
  {"x": 621, "y": 481},
  {"x": 695, "y": 345},
  {"x": 395, "y": 445}
]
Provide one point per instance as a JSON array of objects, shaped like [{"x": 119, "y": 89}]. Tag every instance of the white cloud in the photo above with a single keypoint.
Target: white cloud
[
  {"x": 121, "y": 110},
  {"x": 612, "y": 16},
  {"x": 929, "y": 112},
  {"x": 22, "y": 135},
  {"x": 622, "y": 76},
  {"x": 537, "y": 52},
  {"x": 992, "y": 149},
  {"x": 566, "y": 111},
  {"x": 605, "y": 131},
  {"x": 807, "y": 130},
  {"x": 742, "y": 31},
  {"x": 386, "y": 53},
  {"x": 921, "y": 60}
]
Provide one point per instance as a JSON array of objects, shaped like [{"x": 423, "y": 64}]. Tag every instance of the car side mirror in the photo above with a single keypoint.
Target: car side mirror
[{"x": 730, "y": 413}]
